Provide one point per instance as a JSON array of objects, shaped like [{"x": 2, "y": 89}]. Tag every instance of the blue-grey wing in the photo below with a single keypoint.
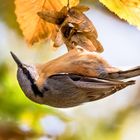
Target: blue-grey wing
[{"x": 91, "y": 88}]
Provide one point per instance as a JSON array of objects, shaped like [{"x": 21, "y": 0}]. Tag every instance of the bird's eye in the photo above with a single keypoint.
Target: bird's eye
[{"x": 25, "y": 71}]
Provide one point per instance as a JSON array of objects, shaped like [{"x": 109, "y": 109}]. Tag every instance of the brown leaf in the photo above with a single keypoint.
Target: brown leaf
[
  {"x": 82, "y": 31},
  {"x": 58, "y": 40},
  {"x": 33, "y": 27},
  {"x": 73, "y": 36},
  {"x": 52, "y": 16},
  {"x": 95, "y": 42},
  {"x": 80, "y": 21},
  {"x": 75, "y": 27},
  {"x": 82, "y": 8},
  {"x": 81, "y": 40}
]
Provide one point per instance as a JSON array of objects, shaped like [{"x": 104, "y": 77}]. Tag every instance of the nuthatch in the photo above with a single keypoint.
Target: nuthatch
[{"x": 67, "y": 82}]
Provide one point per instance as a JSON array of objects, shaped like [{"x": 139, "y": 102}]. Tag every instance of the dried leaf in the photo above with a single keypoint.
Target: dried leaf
[
  {"x": 33, "y": 27},
  {"x": 52, "y": 16},
  {"x": 75, "y": 28},
  {"x": 81, "y": 40},
  {"x": 58, "y": 40},
  {"x": 128, "y": 10},
  {"x": 81, "y": 8},
  {"x": 80, "y": 21},
  {"x": 95, "y": 42}
]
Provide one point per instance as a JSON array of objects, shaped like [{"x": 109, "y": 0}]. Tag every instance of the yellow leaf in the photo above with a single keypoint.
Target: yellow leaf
[
  {"x": 33, "y": 27},
  {"x": 128, "y": 10}
]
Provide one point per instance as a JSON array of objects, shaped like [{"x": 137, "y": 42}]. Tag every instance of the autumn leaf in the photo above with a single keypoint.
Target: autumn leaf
[
  {"x": 33, "y": 27},
  {"x": 128, "y": 10},
  {"x": 75, "y": 28}
]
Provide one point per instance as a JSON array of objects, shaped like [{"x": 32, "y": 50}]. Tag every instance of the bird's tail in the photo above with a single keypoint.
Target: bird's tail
[{"x": 120, "y": 75}]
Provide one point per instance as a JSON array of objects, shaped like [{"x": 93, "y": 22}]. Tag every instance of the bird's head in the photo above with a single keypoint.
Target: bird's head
[{"x": 27, "y": 76}]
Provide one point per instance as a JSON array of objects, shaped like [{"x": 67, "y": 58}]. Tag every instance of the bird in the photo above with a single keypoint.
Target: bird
[{"x": 66, "y": 82}]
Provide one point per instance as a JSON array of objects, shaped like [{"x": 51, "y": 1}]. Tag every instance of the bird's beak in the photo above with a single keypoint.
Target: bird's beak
[{"x": 18, "y": 62}]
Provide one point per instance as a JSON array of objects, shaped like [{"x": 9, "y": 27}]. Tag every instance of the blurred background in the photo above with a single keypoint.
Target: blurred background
[{"x": 115, "y": 117}]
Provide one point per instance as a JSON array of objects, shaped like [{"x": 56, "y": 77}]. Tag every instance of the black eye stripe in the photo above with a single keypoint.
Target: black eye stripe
[{"x": 34, "y": 87}]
